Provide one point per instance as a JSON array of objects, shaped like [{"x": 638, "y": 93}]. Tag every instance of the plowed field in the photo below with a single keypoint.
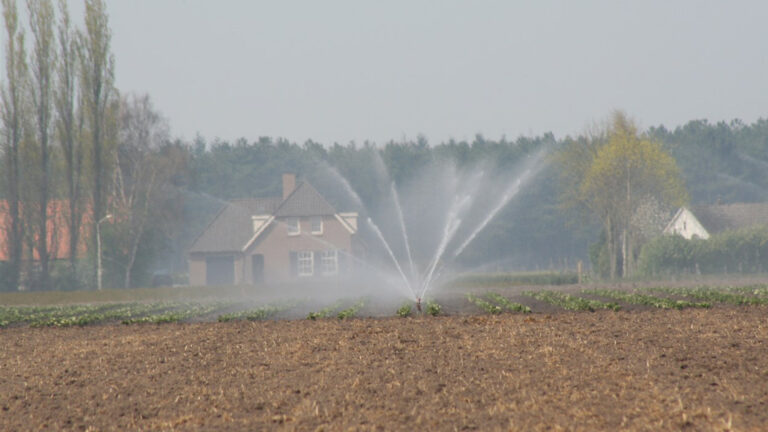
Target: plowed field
[{"x": 637, "y": 370}]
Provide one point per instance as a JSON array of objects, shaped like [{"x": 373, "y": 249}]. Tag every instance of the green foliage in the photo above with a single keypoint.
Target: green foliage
[
  {"x": 127, "y": 313},
  {"x": 721, "y": 161},
  {"x": 714, "y": 295},
  {"x": 733, "y": 251},
  {"x": 495, "y": 304},
  {"x": 507, "y": 304},
  {"x": 646, "y": 300},
  {"x": 351, "y": 311},
  {"x": 179, "y": 312},
  {"x": 611, "y": 176},
  {"x": 571, "y": 302},
  {"x": 258, "y": 314},
  {"x": 487, "y": 306},
  {"x": 326, "y": 312},
  {"x": 404, "y": 311},
  {"x": 433, "y": 308}
]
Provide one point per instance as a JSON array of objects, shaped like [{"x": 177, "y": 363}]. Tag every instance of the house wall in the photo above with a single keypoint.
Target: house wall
[
  {"x": 686, "y": 225},
  {"x": 276, "y": 245},
  {"x": 197, "y": 269}
]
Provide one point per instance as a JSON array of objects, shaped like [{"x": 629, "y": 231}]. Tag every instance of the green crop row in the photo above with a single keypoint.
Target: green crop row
[
  {"x": 258, "y": 314},
  {"x": 495, "y": 304},
  {"x": 508, "y": 304},
  {"x": 756, "y": 290},
  {"x": 645, "y": 299},
  {"x": 571, "y": 302},
  {"x": 80, "y": 315},
  {"x": 182, "y": 312},
  {"x": 336, "y": 310},
  {"x": 713, "y": 295}
]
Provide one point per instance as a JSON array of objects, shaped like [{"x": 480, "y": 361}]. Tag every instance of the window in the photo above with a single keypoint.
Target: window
[
  {"x": 293, "y": 226},
  {"x": 317, "y": 225},
  {"x": 305, "y": 263},
  {"x": 329, "y": 262}
]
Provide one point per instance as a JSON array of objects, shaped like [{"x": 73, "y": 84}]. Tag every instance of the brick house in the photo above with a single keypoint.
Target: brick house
[
  {"x": 299, "y": 236},
  {"x": 58, "y": 232}
]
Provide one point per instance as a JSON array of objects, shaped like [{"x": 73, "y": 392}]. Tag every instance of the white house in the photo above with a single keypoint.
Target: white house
[{"x": 703, "y": 221}]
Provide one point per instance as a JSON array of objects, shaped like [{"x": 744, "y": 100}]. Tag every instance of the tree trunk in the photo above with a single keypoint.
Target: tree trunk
[{"x": 611, "y": 249}]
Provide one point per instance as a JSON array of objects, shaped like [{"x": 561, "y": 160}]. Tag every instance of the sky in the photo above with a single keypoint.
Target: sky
[{"x": 357, "y": 70}]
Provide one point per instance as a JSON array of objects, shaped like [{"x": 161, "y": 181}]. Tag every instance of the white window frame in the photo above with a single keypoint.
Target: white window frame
[
  {"x": 305, "y": 263},
  {"x": 293, "y": 225},
  {"x": 316, "y": 220},
  {"x": 329, "y": 262}
]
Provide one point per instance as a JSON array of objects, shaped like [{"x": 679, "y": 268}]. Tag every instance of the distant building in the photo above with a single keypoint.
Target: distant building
[
  {"x": 703, "y": 221},
  {"x": 57, "y": 227},
  {"x": 299, "y": 236}
]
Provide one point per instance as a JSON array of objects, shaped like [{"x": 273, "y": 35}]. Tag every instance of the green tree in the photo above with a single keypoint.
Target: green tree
[{"x": 616, "y": 175}]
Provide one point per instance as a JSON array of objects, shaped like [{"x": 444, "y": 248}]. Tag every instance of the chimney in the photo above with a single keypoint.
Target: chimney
[{"x": 289, "y": 184}]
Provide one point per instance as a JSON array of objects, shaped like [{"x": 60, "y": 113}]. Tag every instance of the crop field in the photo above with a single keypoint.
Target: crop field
[{"x": 595, "y": 358}]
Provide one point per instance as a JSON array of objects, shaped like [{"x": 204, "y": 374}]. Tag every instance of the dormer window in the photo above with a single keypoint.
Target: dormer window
[
  {"x": 293, "y": 226},
  {"x": 316, "y": 225}
]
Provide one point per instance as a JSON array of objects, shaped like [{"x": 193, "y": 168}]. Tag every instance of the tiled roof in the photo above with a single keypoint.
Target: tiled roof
[
  {"x": 305, "y": 200},
  {"x": 231, "y": 229},
  {"x": 717, "y": 218}
]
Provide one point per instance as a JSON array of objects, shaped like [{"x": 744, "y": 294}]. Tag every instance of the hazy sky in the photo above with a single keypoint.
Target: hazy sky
[{"x": 380, "y": 70}]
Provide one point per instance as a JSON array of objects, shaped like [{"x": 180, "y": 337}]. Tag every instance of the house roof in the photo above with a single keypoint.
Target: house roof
[
  {"x": 717, "y": 218},
  {"x": 305, "y": 200},
  {"x": 231, "y": 229}
]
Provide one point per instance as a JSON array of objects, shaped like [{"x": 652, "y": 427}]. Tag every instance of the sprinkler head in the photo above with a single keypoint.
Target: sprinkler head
[{"x": 418, "y": 304}]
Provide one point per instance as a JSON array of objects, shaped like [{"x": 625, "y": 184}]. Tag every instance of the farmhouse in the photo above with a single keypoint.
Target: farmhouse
[
  {"x": 703, "y": 221},
  {"x": 298, "y": 236}
]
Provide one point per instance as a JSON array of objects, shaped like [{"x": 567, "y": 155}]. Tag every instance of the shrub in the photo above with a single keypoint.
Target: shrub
[
  {"x": 742, "y": 250},
  {"x": 404, "y": 311},
  {"x": 433, "y": 308}
]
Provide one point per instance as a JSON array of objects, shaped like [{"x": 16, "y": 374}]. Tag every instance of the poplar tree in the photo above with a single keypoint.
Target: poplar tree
[
  {"x": 68, "y": 126},
  {"x": 97, "y": 79},
  {"x": 12, "y": 113},
  {"x": 41, "y": 19}
]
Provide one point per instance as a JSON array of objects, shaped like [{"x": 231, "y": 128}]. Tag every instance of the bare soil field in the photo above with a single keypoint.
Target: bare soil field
[{"x": 638, "y": 370}]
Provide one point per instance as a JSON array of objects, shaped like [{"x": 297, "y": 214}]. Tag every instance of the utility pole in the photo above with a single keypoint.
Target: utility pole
[{"x": 98, "y": 250}]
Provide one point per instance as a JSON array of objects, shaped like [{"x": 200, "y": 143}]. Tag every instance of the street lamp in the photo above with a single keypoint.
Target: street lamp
[{"x": 98, "y": 250}]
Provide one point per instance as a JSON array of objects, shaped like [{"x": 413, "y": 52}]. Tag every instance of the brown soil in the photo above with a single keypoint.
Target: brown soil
[{"x": 641, "y": 370}]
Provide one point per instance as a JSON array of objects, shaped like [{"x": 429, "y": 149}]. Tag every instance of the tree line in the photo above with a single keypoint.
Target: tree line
[
  {"x": 83, "y": 162},
  {"x": 76, "y": 153}
]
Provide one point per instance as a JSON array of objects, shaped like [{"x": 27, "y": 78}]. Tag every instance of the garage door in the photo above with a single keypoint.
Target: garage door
[{"x": 220, "y": 270}]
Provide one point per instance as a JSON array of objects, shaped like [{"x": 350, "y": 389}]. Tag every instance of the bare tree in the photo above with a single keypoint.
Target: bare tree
[
  {"x": 43, "y": 60},
  {"x": 97, "y": 80},
  {"x": 12, "y": 118},
  {"x": 69, "y": 124},
  {"x": 141, "y": 171}
]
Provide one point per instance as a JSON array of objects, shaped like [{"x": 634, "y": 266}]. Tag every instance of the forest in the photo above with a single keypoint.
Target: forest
[{"x": 97, "y": 192}]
